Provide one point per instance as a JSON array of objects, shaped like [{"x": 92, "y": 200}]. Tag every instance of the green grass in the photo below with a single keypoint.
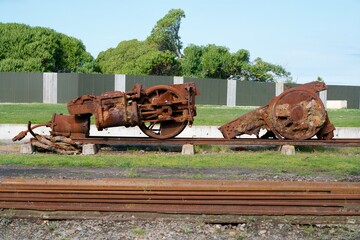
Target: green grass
[
  {"x": 337, "y": 162},
  {"x": 34, "y": 112},
  {"x": 345, "y": 117},
  {"x": 206, "y": 115},
  {"x": 209, "y": 115}
]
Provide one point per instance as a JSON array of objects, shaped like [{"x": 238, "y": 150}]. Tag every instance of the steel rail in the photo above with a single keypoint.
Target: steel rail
[
  {"x": 182, "y": 196},
  {"x": 148, "y": 185},
  {"x": 170, "y": 195},
  {"x": 189, "y": 202},
  {"x": 344, "y": 210},
  {"x": 340, "y": 142}
]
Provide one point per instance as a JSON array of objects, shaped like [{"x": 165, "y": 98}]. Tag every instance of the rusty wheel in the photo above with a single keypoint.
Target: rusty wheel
[
  {"x": 297, "y": 114},
  {"x": 161, "y": 114}
]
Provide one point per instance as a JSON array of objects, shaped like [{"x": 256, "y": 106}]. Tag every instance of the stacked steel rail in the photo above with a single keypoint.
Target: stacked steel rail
[{"x": 183, "y": 196}]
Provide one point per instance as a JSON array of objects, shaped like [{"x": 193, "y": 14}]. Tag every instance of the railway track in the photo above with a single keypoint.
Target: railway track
[
  {"x": 344, "y": 142},
  {"x": 228, "y": 197}
]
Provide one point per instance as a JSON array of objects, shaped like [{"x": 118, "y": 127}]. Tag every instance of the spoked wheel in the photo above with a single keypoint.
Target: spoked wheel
[{"x": 161, "y": 112}]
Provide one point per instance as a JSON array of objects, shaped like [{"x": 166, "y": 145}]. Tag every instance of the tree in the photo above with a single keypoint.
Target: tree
[
  {"x": 74, "y": 57},
  {"x": 266, "y": 72},
  {"x": 137, "y": 57},
  {"x": 160, "y": 54},
  {"x": 157, "y": 55},
  {"x": 36, "y": 49},
  {"x": 319, "y": 79},
  {"x": 209, "y": 61},
  {"x": 191, "y": 63},
  {"x": 241, "y": 65},
  {"x": 27, "y": 49},
  {"x": 165, "y": 34},
  {"x": 216, "y": 62}
]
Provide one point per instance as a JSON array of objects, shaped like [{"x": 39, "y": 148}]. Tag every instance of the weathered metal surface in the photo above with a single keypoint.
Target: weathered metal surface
[
  {"x": 161, "y": 112},
  {"x": 70, "y": 125},
  {"x": 183, "y": 196},
  {"x": 166, "y": 110},
  {"x": 298, "y": 113}
]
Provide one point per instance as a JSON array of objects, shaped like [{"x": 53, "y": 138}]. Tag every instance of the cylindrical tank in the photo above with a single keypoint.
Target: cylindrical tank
[{"x": 70, "y": 125}]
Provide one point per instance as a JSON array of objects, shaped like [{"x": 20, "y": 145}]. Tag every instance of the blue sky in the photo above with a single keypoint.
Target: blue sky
[{"x": 310, "y": 38}]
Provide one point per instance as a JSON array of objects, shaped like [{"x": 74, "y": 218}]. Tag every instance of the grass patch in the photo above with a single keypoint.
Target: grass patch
[
  {"x": 339, "y": 163},
  {"x": 34, "y": 112},
  {"x": 345, "y": 117},
  {"x": 209, "y": 115}
]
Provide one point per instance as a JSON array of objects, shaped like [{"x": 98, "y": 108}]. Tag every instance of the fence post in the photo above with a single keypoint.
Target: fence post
[
  {"x": 231, "y": 93},
  {"x": 323, "y": 97},
  {"x": 178, "y": 80},
  {"x": 50, "y": 88},
  {"x": 279, "y": 88},
  {"x": 120, "y": 82}
]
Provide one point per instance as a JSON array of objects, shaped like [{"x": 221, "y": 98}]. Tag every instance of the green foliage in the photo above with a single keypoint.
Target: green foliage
[
  {"x": 157, "y": 55},
  {"x": 191, "y": 65},
  {"x": 74, "y": 56},
  {"x": 241, "y": 62},
  {"x": 266, "y": 72},
  {"x": 37, "y": 49},
  {"x": 165, "y": 34},
  {"x": 209, "y": 61},
  {"x": 319, "y": 79},
  {"x": 137, "y": 57},
  {"x": 160, "y": 54},
  {"x": 214, "y": 61}
]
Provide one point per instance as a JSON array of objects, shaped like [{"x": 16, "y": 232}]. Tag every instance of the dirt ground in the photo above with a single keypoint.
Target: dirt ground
[{"x": 162, "y": 227}]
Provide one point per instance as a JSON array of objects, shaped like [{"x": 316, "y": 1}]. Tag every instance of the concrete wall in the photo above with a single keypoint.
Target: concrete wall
[{"x": 336, "y": 104}]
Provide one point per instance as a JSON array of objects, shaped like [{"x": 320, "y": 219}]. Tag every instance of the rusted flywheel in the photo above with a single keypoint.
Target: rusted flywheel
[
  {"x": 162, "y": 115},
  {"x": 297, "y": 113}
]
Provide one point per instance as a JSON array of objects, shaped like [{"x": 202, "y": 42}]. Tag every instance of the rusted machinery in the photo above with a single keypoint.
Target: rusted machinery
[
  {"x": 298, "y": 114},
  {"x": 161, "y": 112}
]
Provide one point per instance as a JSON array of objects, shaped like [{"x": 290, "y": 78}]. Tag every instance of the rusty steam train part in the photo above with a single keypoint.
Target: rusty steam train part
[
  {"x": 171, "y": 114},
  {"x": 58, "y": 144},
  {"x": 161, "y": 112},
  {"x": 298, "y": 113},
  {"x": 23, "y": 134},
  {"x": 182, "y": 196}
]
